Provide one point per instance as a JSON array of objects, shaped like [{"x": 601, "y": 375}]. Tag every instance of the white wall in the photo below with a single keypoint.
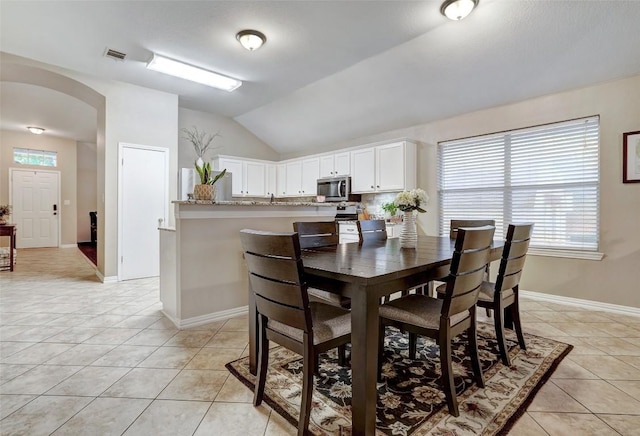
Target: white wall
[
  {"x": 615, "y": 279},
  {"x": 235, "y": 140},
  {"x": 87, "y": 188}
]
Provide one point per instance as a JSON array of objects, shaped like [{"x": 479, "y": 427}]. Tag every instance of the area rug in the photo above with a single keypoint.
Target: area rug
[{"x": 410, "y": 397}]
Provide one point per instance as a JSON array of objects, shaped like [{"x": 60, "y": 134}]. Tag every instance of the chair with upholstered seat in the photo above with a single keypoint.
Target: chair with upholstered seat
[
  {"x": 503, "y": 294},
  {"x": 285, "y": 314},
  {"x": 443, "y": 319},
  {"x": 316, "y": 234},
  {"x": 372, "y": 230}
]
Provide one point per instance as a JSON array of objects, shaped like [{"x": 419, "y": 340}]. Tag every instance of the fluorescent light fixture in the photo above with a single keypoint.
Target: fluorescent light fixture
[
  {"x": 195, "y": 74},
  {"x": 36, "y": 130},
  {"x": 457, "y": 9},
  {"x": 251, "y": 39}
]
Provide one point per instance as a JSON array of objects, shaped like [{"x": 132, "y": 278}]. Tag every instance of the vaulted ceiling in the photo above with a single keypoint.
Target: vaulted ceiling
[{"x": 330, "y": 70}]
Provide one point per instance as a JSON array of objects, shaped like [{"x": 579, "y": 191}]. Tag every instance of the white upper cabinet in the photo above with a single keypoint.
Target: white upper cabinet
[
  {"x": 384, "y": 168},
  {"x": 247, "y": 177},
  {"x": 337, "y": 164},
  {"x": 281, "y": 180},
  {"x": 310, "y": 176},
  {"x": 363, "y": 163},
  {"x": 271, "y": 180},
  {"x": 302, "y": 177}
]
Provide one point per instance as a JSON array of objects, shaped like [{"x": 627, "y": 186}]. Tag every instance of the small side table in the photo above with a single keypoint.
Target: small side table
[{"x": 9, "y": 230}]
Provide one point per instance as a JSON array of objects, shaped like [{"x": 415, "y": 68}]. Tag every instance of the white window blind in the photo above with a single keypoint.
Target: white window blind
[{"x": 548, "y": 175}]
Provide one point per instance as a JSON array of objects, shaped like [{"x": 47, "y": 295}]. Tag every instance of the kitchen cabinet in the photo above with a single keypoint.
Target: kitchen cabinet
[
  {"x": 247, "y": 177},
  {"x": 337, "y": 164},
  {"x": 301, "y": 177},
  {"x": 384, "y": 168},
  {"x": 348, "y": 232},
  {"x": 281, "y": 180},
  {"x": 271, "y": 180}
]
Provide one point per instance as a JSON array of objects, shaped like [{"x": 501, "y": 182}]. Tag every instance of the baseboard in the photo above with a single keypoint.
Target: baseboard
[
  {"x": 108, "y": 279},
  {"x": 208, "y": 318},
  {"x": 627, "y": 310},
  {"x": 69, "y": 246}
]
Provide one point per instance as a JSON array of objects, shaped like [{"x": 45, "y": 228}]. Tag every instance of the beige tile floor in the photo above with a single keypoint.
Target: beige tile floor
[{"x": 78, "y": 357}]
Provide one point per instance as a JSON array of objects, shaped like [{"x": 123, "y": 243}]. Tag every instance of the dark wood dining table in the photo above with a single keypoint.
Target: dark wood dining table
[{"x": 365, "y": 273}]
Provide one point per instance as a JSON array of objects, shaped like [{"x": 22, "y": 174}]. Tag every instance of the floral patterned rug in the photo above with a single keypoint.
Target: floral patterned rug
[{"x": 410, "y": 399}]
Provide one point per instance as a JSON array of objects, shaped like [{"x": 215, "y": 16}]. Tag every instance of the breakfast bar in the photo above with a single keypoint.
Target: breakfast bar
[{"x": 202, "y": 273}]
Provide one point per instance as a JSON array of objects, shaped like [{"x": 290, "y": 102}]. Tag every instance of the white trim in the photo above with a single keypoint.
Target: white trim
[
  {"x": 121, "y": 146},
  {"x": 59, "y": 215},
  {"x": 627, "y": 310},
  {"x": 571, "y": 254},
  {"x": 69, "y": 246},
  {"x": 108, "y": 279},
  {"x": 208, "y": 318}
]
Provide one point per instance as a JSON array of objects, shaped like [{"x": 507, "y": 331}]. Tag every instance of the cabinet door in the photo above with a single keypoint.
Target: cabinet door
[
  {"x": 310, "y": 175},
  {"x": 390, "y": 167},
  {"x": 341, "y": 164},
  {"x": 237, "y": 177},
  {"x": 363, "y": 170},
  {"x": 271, "y": 180},
  {"x": 254, "y": 179},
  {"x": 281, "y": 180},
  {"x": 326, "y": 166},
  {"x": 294, "y": 179}
]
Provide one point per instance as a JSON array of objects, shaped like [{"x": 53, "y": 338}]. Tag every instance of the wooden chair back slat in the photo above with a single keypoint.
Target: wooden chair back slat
[
  {"x": 514, "y": 255},
  {"x": 288, "y": 315},
  {"x": 317, "y": 233},
  {"x": 280, "y": 292},
  {"x": 456, "y": 224},
  {"x": 279, "y": 244},
  {"x": 275, "y": 268},
  {"x": 372, "y": 230},
  {"x": 470, "y": 258}
]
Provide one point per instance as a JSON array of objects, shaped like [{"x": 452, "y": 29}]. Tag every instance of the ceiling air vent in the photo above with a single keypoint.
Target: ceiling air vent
[{"x": 115, "y": 54}]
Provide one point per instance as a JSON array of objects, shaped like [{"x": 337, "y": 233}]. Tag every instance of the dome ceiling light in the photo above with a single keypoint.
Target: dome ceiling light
[
  {"x": 251, "y": 39},
  {"x": 36, "y": 130},
  {"x": 458, "y": 9}
]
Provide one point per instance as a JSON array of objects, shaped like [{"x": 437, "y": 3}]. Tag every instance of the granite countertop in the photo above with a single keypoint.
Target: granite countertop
[
  {"x": 263, "y": 203},
  {"x": 355, "y": 221}
]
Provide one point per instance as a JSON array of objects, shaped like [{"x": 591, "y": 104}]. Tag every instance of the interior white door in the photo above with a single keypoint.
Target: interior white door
[
  {"x": 36, "y": 210},
  {"x": 144, "y": 199}
]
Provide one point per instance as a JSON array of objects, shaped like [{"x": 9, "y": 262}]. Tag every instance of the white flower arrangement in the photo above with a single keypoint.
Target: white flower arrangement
[{"x": 408, "y": 201}]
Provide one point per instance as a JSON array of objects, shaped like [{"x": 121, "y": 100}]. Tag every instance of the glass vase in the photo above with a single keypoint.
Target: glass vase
[{"x": 409, "y": 234}]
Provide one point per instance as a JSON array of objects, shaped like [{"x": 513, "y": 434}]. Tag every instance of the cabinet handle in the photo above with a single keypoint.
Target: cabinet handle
[
  {"x": 378, "y": 186},
  {"x": 371, "y": 186}
]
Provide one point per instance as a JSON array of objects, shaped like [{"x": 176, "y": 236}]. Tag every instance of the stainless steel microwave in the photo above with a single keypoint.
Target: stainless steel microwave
[{"x": 335, "y": 188}]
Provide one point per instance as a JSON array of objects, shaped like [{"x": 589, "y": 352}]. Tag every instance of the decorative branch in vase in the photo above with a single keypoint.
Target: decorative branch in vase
[
  {"x": 201, "y": 142},
  {"x": 409, "y": 202}
]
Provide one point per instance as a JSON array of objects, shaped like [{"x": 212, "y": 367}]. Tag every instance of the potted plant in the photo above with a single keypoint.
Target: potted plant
[
  {"x": 390, "y": 208},
  {"x": 5, "y": 210},
  {"x": 201, "y": 142}
]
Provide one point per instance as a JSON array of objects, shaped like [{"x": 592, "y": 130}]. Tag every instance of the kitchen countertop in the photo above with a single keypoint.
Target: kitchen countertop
[
  {"x": 263, "y": 203},
  {"x": 355, "y": 221}
]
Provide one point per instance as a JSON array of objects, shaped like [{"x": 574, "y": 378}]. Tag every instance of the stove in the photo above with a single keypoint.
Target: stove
[{"x": 346, "y": 213}]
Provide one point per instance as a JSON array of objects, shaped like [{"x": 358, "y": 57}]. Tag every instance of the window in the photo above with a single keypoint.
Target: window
[
  {"x": 548, "y": 175},
  {"x": 26, "y": 156}
]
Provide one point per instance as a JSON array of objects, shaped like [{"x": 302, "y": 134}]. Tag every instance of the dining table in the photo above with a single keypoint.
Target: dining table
[{"x": 365, "y": 272}]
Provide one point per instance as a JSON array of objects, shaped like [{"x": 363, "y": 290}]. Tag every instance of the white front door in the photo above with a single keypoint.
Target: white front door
[
  {"x": 144, "y": 199},
  {"x": 36, "y": 209}
]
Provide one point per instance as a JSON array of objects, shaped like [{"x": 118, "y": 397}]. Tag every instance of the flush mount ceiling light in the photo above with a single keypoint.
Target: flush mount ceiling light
[
  {"x": 251, "y": 39},
  {"x": 36, "y": 130},
  {"x": 457, "y": 9},
  {"x": 195, "y": 74}
]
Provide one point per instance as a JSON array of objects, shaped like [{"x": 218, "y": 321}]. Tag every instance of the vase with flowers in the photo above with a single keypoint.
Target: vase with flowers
[
  {"x": 5, "y": 210},
  {"x": 201, "y": 142},
  {"x": 409, "y": 202}
]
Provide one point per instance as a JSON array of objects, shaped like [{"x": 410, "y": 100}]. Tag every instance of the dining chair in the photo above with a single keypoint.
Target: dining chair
[
  {"x": 503, "y": 294},
  {"x": 372, "y": 230},
  {"x": 444, "y": 319},
  {"x": 316, "y": 234},
  {"x": 285, "y": 314}
]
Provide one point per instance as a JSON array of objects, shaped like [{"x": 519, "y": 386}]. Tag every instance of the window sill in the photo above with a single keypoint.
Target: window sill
[{"x": 570, "y": 254}]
